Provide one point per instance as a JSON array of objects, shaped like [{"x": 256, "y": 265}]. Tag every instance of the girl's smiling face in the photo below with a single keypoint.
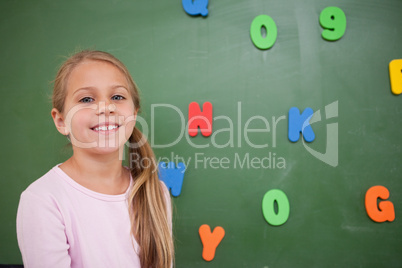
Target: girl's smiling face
[{"x": 99, "y": 112}]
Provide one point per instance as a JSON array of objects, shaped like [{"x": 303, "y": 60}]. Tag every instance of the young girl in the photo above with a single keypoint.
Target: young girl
[{"x": 90, "y": 211}]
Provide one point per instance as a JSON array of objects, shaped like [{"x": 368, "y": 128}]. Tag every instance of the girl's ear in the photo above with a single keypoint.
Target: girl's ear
[
  {"x": 135, "y": 114},
  {"x": 59, "y": 122}
]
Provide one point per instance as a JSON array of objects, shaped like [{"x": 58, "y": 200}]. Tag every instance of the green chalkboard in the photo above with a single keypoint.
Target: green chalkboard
[{"x": 177, "y": 59}]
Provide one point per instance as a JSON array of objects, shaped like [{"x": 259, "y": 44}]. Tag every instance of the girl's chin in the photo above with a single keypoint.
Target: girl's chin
[
  {"x": 107, "y": 150},
  {"x": 100, "y": 147},
  {"x": 103, "y": 151}
]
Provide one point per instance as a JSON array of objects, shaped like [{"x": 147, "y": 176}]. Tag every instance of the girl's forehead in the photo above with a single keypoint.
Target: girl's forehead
[
  {"x": 96, "y": 71},
  {"x": 89, "y": 64}
]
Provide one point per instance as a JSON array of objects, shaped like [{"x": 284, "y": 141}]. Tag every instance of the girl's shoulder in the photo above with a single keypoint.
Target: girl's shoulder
[
  {"x": 57, "y": 185},
  {"x": 42, "y": 195},
  {"x": 48, "y": 183}
]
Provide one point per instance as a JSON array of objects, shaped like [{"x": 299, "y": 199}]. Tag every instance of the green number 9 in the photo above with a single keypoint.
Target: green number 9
[{"x": 333, "y": 20}]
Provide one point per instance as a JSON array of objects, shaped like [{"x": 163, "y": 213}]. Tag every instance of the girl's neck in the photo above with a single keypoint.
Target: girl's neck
[{"x": 100, "y": 173}]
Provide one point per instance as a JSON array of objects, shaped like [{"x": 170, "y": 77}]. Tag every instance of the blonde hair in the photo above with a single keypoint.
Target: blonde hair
[{"x": 147, "y": 204}]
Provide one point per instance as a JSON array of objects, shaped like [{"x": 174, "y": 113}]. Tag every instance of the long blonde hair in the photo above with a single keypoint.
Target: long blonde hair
[{"x": 147, "y": 204}]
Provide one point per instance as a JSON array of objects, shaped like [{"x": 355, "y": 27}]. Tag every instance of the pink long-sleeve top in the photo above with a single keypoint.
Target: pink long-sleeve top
[{"x": 61, "y": 224}]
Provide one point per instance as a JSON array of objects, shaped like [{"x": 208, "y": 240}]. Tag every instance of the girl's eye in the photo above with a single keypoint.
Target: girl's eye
[
  {"x": 86, "y": 99},
  {"x": 117, "y": 97}
]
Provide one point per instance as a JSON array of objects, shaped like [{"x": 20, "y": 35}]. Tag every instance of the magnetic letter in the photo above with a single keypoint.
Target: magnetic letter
[
  {"x": 171, "y": 176},
  {"x": 395, "y": 76},
  {"x": 210, "y": 241},
  {"x": 255, "y": 32},
  {"x": 300, "y": 123},
  {"x": 385, "y": 210},
  {"x": 203, "y": 119},
  {"x": 268, "y": 210},
  {"x": 333, "y": 20},
  {"x": 195, "y": 7}
]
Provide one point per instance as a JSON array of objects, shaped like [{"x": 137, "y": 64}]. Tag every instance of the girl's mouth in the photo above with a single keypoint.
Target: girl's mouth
[{"x": 105, "y": 128}]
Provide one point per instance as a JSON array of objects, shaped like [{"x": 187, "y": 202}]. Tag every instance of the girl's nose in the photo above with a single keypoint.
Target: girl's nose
[{"x": 105, "y": 108}]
